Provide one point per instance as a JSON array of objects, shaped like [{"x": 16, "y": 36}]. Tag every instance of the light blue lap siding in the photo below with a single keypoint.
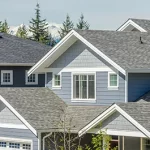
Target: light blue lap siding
[
  {"x": 104, "y": 96},
  {"x": 139, "y": 84},
  {"x": 20, "y": 134}
]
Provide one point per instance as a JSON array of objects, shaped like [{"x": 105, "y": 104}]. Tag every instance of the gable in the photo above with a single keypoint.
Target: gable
[
  {"x": 79, "y": 56},
  {"x": 117, "y": 122}
]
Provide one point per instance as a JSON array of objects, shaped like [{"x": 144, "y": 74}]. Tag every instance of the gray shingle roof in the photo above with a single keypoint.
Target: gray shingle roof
[
  {"x": 39, "y": 106},
  {"x": 144, "y": 23},
  {"x": 144, "y": 98},
  {"x": 139, "y": 112},
  {"x": 124, "y": 48},
  {"x": 44, "y": 110},
  {"x": 80, "y": 116},
  {"x": 18, "y": 50}
]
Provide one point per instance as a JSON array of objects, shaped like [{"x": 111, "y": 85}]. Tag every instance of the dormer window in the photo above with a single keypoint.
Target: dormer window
[
  {"x": 7, "y": 77},
  {"x": 32, "y": 79}
]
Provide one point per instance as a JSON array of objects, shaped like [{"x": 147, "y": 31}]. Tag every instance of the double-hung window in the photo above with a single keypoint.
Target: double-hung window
[
  {"x": 83, "y": 86},
  {"x": 56, "y": 80},
  {"x": 6, "y": 77},
  {"x": 112, "y": 80},
  {"x": 32, "y": 79}
]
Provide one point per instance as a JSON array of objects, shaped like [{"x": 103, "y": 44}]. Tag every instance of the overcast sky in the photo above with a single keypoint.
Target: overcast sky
[{"x": 101, "y": 14}]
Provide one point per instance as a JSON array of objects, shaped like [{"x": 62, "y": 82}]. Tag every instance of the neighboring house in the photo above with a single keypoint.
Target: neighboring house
[{"x": 95, "y": 77}]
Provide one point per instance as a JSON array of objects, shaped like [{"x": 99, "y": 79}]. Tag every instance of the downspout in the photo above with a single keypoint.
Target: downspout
[{"x": 45, "y": 138}]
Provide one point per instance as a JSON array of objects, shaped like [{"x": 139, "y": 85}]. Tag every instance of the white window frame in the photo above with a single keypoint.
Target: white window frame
[
  {"x": 11, "y": 77},
  {"x": 31, "y": 83},
  {"x": 53, "y": 80},
  {"x": 83, "y": 100},
  {"x": 113, "y": 87}
]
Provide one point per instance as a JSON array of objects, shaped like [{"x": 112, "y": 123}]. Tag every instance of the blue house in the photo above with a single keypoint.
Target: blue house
[{"x": 94, "y": 76}]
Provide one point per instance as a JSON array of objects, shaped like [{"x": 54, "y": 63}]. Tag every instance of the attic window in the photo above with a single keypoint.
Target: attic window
[{"x": 6, "y": 77}]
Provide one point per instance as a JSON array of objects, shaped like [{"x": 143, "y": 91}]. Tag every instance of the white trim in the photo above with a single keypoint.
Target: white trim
[
  {"x": 45, "y": 138},
  {"x": 106, "y": 114},
  {"x": 39, "y": 141},
  {"x": 59, "y": 70},
  {"x": 50, "y": 53},
  {"x": 11, "y": 77},
  {"x": 12, "y": 126},
  {"x": 31, "y": 83},
  {"x": 18, "y": 115},
  {"x": 130, "y": 22},
  {"x": 53, "y": 80},
  {"x": 82, "y": 100},
  {"x": 113, "y": 87}
]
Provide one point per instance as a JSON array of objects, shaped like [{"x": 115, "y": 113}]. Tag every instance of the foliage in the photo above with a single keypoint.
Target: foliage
[
  {"x": 67, "y": 27},
  {"x": 4, "y": 27},
  {"x": 22, "y": 32},
  {"x": 82, "y": 24},
  {"x": 39, "y": 27},
  {"x": 51, "y": 41}
]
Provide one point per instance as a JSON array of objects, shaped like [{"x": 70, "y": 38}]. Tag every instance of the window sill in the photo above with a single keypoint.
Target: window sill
[
  {"x": 31, "y": 83},
  {"x": 6, "y": 83},
  {"x": 113, "y": 88},
  {"x": 56, "y": 87},
  {"x": 83, "y": 101}
]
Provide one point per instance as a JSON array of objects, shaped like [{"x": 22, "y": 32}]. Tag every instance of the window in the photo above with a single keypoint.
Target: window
[
  {"x": 146, "y": 144},
  {"x": 112, "y": 80},
  {"x": 14, "y": 145},
  {"x": 84, "y": 86},
  {"x": 56, "y": 80},
  {"x": 32, "y": 79},
  {"x": 26, "y": 146},
  {"x": 6, "y": 77},
  {"x": 2, "y": 144}
]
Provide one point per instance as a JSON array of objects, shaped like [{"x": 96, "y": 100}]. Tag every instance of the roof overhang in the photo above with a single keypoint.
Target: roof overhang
[
  {"x": 61, "y": 47},
  {"x": 108, "y": 112},
  {"x": 128, "y": 24}
]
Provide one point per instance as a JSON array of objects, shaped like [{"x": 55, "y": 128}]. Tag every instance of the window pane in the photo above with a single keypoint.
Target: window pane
[
  {"x": 91, "y": 87},
  {"x": 14, "y": 145},
  {"x": 26, "y": 146},
  {"x": 83, "y": 86},
  {"x": 31, "y": 78},
  {"x": 2, "y": 144},
  {"x": 76, "y": 86},
  {"x": 56, "y": 80},
  {"x": 6, "y": 77},
  {"x": 113, "y": 80}
]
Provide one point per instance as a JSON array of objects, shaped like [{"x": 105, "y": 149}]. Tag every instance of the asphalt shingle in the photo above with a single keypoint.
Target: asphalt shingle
[
  {"x": 18, "y": 50},
  {"x": 124, "y": 48}
]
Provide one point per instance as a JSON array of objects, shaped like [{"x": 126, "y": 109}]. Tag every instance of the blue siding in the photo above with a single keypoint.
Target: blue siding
[
  {"x": 20, "y": 134},
  {"x": 19, "y": 77},
  {"x": 138, "y": 85},
  {"x": 104, "y": 96}
]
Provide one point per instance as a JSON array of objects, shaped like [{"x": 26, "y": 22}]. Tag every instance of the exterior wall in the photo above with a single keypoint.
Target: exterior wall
[
  {"x": 104, "y": 96},
  {"x": 6, "y": 116},
  {"x": 117, "y": 122},
  {"x": 19, "y": 77},
  {"x": 138, "y": 85},
  {"x": 20, "y": 134},
  {"x": 79, "y": 56}
]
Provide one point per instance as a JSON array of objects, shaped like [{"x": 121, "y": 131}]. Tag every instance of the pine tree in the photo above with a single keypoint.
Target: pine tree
[
  {"x": 39, "y": 27},
  {"x": 4, "y": 27},
  {"x": 0, "y": 26},
  {"x": 67, "y": 27},
  {"x": 52, "y": 42},
  {"x": 83, "y": 25},
  {"x": 22, "y": 32}
]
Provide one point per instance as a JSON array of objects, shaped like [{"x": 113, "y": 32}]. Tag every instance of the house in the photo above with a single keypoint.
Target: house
[{"x": 95, "y": 77}]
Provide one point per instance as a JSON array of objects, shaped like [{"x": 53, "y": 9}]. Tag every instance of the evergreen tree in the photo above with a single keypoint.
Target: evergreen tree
[
  {"x": 0, "y": 26},
  {"x": 67, "y": 27},
  {"x": 22, "y": 32},
  {"x": 83, "y": 25},
  {"x": 4, "y": 27},
  {"x": 52, "y": 42},
  {"x": 39, "y": 27}
]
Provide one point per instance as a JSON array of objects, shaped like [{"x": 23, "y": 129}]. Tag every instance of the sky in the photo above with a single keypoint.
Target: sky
[{"x": 100, "y": 14}]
